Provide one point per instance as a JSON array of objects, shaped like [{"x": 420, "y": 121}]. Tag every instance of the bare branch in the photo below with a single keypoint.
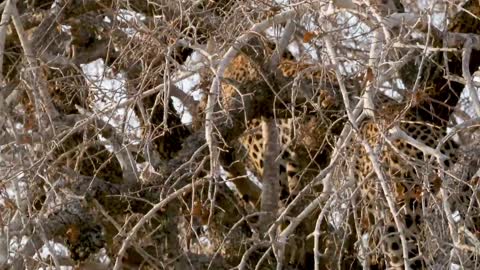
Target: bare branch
[
  {"x": 369, "y": 107},
  {"x": 270, "y": 188},
  {"x": 3, "y": 33},
  {"x": 39, "y": 83},
  {"x": 468, "y": 77},
  {"x": 397, "y": 134}
]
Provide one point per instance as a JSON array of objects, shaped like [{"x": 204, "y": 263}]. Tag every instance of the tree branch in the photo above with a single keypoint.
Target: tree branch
[{"x": 270, "y": 185}]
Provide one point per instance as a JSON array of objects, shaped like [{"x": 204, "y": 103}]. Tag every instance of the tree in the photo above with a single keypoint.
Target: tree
[{"x": 101, "y": 170}]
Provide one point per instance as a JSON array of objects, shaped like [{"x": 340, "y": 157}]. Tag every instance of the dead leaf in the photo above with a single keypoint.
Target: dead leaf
[
  {"x": 197, "y": 209},
  {"x": 308, "y": 36},
  {"x": 73, "y": 233}
]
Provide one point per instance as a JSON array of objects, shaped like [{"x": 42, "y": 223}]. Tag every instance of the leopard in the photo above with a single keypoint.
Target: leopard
[
  {"x": 298, "y": 131},
  {"x": 412, "y": 165},
  {"x": 411, "y": 173},
  {"x": 415, "y": 170}
]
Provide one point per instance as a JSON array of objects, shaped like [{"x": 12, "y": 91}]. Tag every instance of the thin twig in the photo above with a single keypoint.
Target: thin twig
[
  {"x": 369, "y": 106},
  {"x": 317, "y": 233},
  {"x": 467, "y": 51},
  {"x": 3, "y": 33},
  {"x": 340, "y": 80}
]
